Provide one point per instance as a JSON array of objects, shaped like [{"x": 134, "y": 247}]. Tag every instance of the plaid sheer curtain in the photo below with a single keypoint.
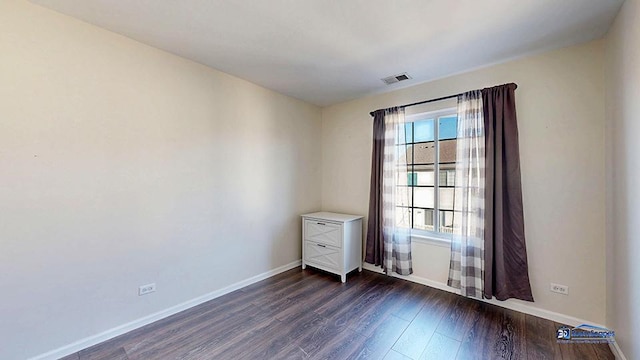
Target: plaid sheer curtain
[
  {"x": 395, "y": 198},
  {"x": 388, "y": 237},
  {"x": 466, "y": 267}
]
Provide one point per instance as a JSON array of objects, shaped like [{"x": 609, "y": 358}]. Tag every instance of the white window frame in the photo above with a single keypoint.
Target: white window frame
[{"x": 426, "y": 236}]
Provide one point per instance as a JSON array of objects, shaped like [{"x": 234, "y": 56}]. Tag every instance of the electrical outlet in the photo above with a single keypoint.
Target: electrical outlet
[
  {"x": 560, "y": 289},
  {"x": 146, "y": 289}
]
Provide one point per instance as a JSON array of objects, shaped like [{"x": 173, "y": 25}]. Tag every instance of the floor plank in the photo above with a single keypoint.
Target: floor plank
[
  {"x": 603, "y": 351},
  {"x": 325, "y": 293},
  {"x": 308, "y": 314},
  {"x": 577, "y": 351},
  {"x": 413, "y": 301},
  {"x": 402, "y": 302},
  {"x": 315, "y": 339},
  {"x": 541, "y": 338},
  {"x": 417, "y": 335},
  {"x": 498, "y": 334},
  {"x": 382, "y": 338},
  {"x": 441, "y": 347},
  {"x": 394, "y": 355},
  {"x": 459, "y": 319},
  {"x": 73, "y": 356},
  {"x": 288, "y": 333},
  {"x": 339, "y": 348},
  {"x": 109, "y": 353}
]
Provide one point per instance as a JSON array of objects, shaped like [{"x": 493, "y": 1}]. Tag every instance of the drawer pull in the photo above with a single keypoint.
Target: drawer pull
[
  {"x": 324, "y": 246},
  {"x": 321, "y": 223}
]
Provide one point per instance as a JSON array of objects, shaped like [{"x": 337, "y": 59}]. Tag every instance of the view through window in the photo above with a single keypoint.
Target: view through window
[{"x": 430, "y": 143}]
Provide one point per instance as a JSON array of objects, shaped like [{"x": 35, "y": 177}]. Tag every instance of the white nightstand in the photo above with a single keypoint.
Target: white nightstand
[{"x": 332, "y": 242}]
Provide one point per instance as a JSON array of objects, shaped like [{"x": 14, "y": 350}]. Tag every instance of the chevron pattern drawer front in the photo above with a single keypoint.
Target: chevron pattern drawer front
[
  {"x": 323, "y": 232},
  {"x": 321, "y": 254}
]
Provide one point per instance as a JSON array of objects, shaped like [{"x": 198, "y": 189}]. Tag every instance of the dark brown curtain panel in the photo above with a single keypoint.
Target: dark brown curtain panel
[
  {"x": 506, "y": 270},
  {"x": 375, "y": 242}
]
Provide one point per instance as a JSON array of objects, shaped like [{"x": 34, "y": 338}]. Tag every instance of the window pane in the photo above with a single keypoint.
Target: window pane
[
  {"x": 442, "y": 180},
  {"x": 425, "y": 153},
  {"x": 447, "y": 177},
  {"x": 423, "y": 219},
  {"x": 457, "y": 198},
  {"x": 402, "y": 180},
  {"x": 404, "y": 150},
  {"x": 403, "y": 217},
  {"x": 423, "y": 130},
  {"x": 403, "y": 195},
  {"x": 405, "y": 133},
  {"x": 412, "y": 178},
  {"x": 423, "y": 197},
  {"x": 446, "y": 222},
  {"x": 446, "y": 198},
  {"x": 447, "y": 153},
  {"x": 448, "y": 127},
  {"x": 424, "y": 175},
  {"x": 408, "y": 131}
]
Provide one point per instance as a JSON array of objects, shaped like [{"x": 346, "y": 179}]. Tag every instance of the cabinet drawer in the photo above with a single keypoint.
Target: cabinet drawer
[
  {"x": 323, "y": 232},
  {"x": 329, "y": 256}
]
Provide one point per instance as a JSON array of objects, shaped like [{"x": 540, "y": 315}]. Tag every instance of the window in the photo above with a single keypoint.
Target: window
[{"x": 430, "y": 142}]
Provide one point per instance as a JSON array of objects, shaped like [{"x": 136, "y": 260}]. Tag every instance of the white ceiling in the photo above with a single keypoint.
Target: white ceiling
[{"x": 328, "y": 51}]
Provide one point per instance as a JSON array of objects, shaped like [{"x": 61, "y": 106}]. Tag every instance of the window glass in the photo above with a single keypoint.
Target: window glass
[
  {"x": 424, "y": 175},
  {"x": 423, "y": 219},
  {"x": 448, "y": 127},
  {"x": 446, "y": 222},
  {"x": 424, "y": 153},
  {"x": 445, "y": 199},
  {"x": 423, "y": 130},
  {"x": 403, "y": 216},
  {"x": 412, "y": 178},
  {"x": 403, "y": 193},
  {"x": 423, "y": 197}
]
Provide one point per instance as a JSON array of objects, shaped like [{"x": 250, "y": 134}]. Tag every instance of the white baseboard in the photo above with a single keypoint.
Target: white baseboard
[
  {"x": 508, "y": 304},
  {"x": 617, "y": 352},
  {"x": 122, "y": 329}
]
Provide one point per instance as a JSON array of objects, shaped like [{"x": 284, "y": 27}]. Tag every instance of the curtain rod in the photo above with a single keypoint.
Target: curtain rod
[{"x": 429, "y": 101}]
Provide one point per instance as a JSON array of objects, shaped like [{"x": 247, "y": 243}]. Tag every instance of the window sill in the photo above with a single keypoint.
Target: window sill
[{"x": 430, "y": 240}]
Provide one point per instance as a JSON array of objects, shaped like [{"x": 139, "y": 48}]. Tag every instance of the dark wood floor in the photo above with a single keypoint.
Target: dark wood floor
[{"x": 304, "y": 314}]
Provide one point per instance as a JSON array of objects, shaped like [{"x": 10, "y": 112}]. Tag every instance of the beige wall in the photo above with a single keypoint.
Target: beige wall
[
  {"x": 122, "y": 165},
  {"x": 560, "y": 103},
  {"x": 623, "y": 165}
]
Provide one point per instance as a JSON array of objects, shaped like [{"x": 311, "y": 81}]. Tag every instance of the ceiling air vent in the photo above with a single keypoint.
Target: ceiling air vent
[{"x": 396, "y": 78}]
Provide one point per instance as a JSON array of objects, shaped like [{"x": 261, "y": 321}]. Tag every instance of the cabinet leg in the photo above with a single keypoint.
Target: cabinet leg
[
  {"x": 343, "y": 277},
  {"x": 304, "y": 266},
  {"x": 360, "y": 268}
]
